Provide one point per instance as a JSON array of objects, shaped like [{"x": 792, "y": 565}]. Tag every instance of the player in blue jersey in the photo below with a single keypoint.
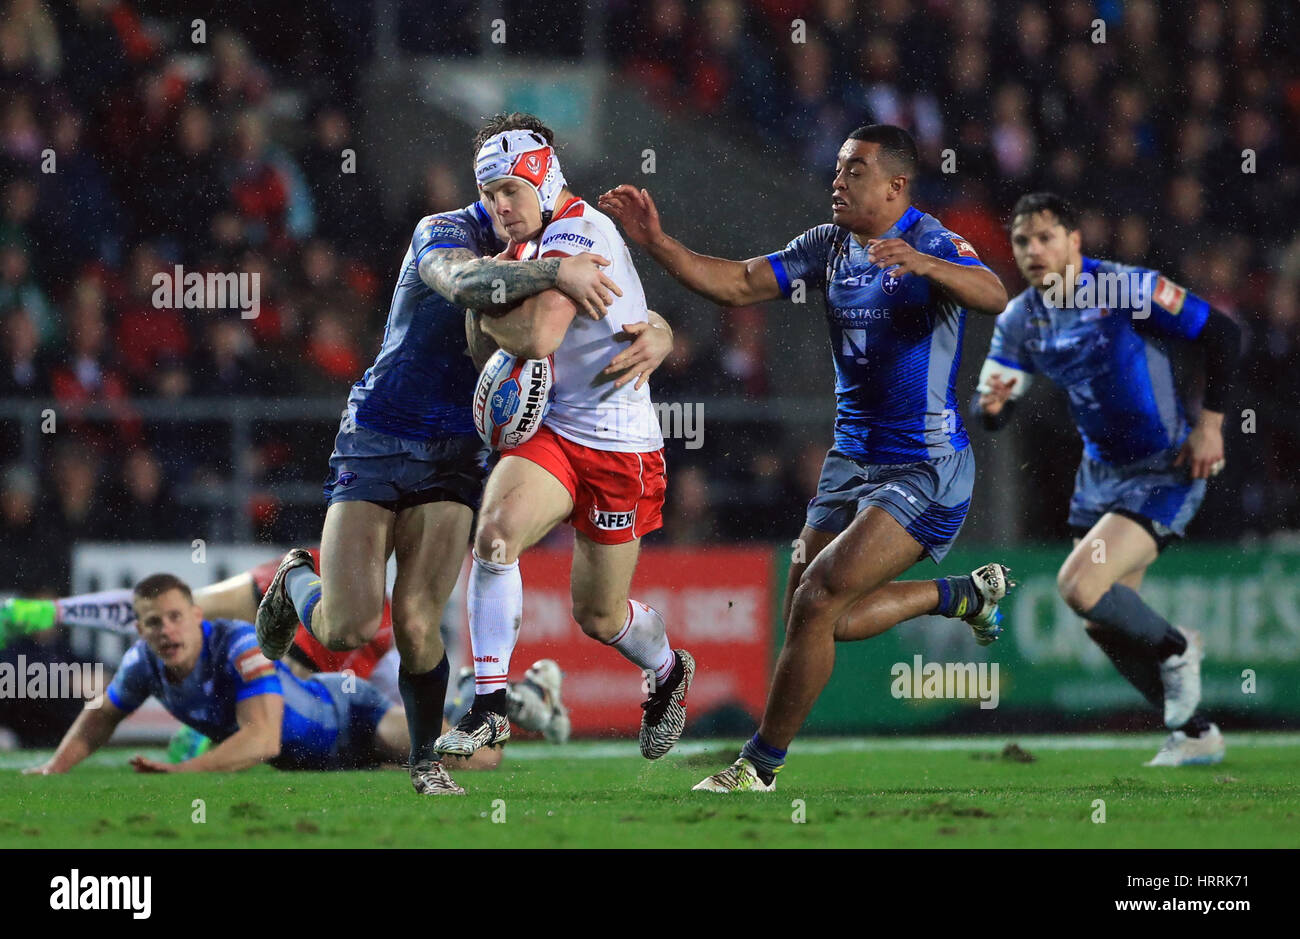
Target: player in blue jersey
[
  {"x": 211, "y": 676},
  {"x": 896, "y": 485},
  {"x": 408, "y": 468},
  {"x": 1144, "y": 466}
]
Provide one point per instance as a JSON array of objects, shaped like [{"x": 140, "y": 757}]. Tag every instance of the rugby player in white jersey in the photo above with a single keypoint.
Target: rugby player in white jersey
[{"x": 596, "y": 462}]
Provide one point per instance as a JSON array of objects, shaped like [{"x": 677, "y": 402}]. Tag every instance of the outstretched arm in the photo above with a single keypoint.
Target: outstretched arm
[
  {"x": 90, "y": 731},
  {"x": 726, "y": 283},
  {"x": 257, "y": 740},
  {"x": 493, "y": 286}
]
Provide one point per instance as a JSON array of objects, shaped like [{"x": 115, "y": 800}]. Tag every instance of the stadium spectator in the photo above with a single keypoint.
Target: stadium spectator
[
  {"x": 24, "y": 536},
  {"x": 439, "y": 189},
  {"x": 688, "y": 515},
  {"x": 346, "y": 201},
  {"x": 744, "y": 352},
  {"x": 228, "y": 365},
  {"x": 19, "y": 289},
  {"x": 88, "y": 373},
  {"x": 148, "y": 332},
  {"x": 143, "y": 508},
  {"x": 333, "y": 360},
  {"x": 76, "y": 509},
  {"x": 23, "y": 369}
]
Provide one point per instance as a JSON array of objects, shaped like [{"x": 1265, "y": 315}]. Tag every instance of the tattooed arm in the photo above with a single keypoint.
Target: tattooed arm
[
  {"x": 493, "y": 287},
  {"x": 534, "y": 328},
  {"x": 481, "y": 345}
]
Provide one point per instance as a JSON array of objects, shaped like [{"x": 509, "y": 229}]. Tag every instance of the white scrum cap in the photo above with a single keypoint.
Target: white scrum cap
[{"x": 525, "y": 155}]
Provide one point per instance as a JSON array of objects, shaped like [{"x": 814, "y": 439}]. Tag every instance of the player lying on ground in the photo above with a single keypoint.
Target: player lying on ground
[
  {"x": 896, "y": 485},
  {"x": 535, "y": 704},
  {"x": 596, "y": 461},
  {"x": 210, "y": 675},
  {"x": 407, "y": 470},
  {"x": 1144, "y": 466}
]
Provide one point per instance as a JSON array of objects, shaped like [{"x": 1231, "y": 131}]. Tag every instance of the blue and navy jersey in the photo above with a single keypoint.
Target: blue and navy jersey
[
  {"x": 895, "y": 341},
  {"x": 1110, "y": 357},
  {"x": 422, "y": 382},
  {"x": 231, "y": 668}
]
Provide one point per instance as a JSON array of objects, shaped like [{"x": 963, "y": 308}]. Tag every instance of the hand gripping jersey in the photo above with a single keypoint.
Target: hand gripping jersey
[
  {"x": 895, "y": 341},
  {"x": 230, "y": 669},
  {"x": 586, "y": 407},
  {"x": 1109, "y": 356},
  {"x": 422, "y": 381}
]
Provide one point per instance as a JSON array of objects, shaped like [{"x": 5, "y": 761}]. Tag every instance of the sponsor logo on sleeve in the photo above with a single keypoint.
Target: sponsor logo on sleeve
[
  {"x": 964, "y": 248},
  {"x": 1169, "y": 295},
  {"x": 253, "y": 665},
  {"x": 443, "y": 230}
]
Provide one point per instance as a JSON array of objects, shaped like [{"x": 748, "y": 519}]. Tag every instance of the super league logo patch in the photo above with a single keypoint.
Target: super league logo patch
[
  {"x": 441, "y": 230},
  {"x": 505, "y": 402},
  {"x": 964, "y": 248}
]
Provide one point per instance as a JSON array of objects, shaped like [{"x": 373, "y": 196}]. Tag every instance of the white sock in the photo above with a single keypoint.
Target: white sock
[
  {"x": 110, "y": 610},
  {"x": 643, "y": 641},
  {"x": 495, "y": 597}
]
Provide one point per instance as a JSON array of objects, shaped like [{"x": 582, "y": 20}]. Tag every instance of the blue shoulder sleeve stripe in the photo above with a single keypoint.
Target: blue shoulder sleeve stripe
[
  {"x": 113, "y": 696},
  {"x": 268, "y": 685},
  {"x": 778, "y": 268}
]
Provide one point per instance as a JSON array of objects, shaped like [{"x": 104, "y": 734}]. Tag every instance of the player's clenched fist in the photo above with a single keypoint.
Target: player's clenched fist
[
  {"x": 633, "y": 209},
  {"x": 897, "y": 254}
]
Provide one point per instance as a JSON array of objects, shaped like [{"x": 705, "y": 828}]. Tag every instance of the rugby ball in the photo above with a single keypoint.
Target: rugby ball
[{"x": 512, "y": 398}]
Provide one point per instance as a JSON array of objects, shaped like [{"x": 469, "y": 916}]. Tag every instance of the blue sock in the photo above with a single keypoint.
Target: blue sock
[
  {"x": 766, "y": 758},
  {"x": 304, "y": 588},
  {"x": 958, "y": 596}
]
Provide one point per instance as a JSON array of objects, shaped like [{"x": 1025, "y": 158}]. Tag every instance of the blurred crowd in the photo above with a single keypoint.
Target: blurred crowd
[{"x": 126, "y": 148}]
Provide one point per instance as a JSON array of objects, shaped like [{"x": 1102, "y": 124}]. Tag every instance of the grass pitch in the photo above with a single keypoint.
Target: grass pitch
[{"x": 913, "y": 792}]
